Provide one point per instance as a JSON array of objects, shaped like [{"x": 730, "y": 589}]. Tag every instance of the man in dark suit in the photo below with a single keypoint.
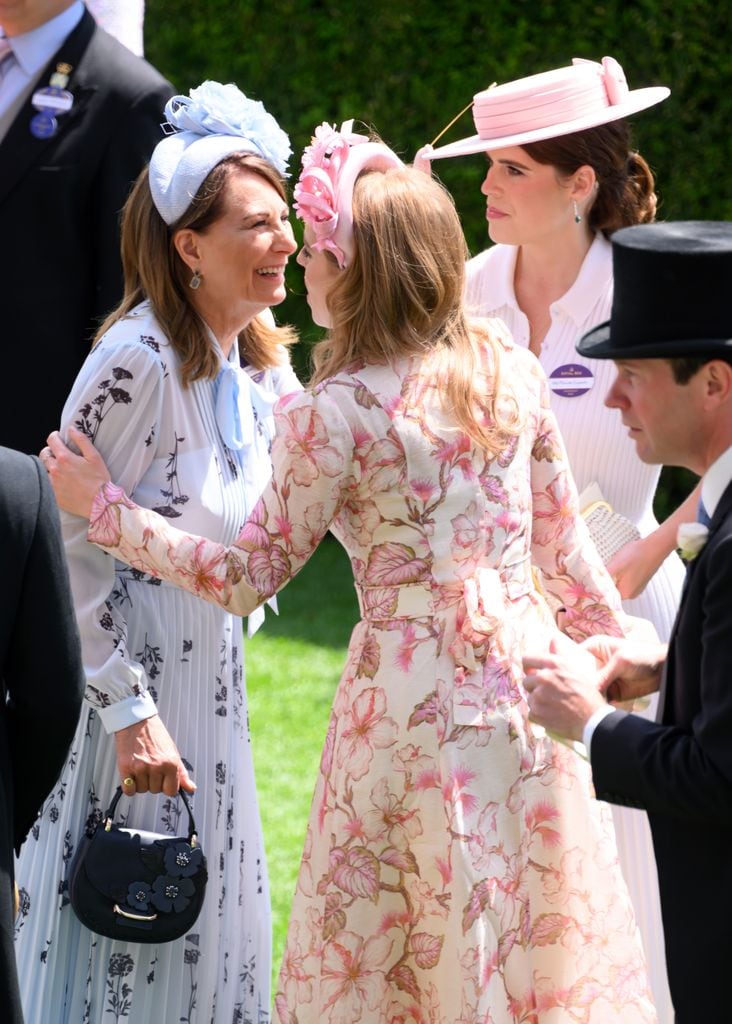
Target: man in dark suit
[
  {"x": 42, "y": 676},
  {"x": 671, "y": 337},
  {"x": 64, "y": 177}
]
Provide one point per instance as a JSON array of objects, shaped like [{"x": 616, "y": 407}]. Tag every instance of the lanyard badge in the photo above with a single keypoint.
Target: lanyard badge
[
  {"x": 571, "y": 380},
  {"x": 51, "y": 102}
]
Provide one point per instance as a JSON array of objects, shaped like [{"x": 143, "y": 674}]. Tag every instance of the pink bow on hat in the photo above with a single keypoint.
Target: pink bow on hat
[
  {"x": 613, "y": 78},
  {"x": 616, "y": 84}
]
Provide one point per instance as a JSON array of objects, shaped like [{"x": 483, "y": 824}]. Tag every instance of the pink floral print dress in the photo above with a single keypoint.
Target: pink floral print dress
[{"x": 456, "y": 866}]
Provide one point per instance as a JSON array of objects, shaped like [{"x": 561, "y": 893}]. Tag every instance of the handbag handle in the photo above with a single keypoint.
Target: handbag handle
[{"x": 192, "y": 831}]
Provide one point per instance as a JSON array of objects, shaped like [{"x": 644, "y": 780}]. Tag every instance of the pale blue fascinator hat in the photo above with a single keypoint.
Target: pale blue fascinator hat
[{"x": 204, "y": 128}]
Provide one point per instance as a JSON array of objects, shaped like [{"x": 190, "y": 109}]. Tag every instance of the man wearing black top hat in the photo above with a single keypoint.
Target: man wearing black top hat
[
  {"x": 670, "y": 334},
  {"x": 79, "y": 116}
]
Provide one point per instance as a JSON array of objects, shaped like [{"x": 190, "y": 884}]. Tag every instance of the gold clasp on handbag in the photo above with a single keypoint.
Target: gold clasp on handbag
[{"x": 134, "y": 917}]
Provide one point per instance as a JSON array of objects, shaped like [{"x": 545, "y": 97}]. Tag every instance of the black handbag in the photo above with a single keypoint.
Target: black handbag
[{"x": 138, "y": 886}]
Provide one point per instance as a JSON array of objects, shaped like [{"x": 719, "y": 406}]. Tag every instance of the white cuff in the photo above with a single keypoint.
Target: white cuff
[
  {"x": 592, "y": 723},
  {"x": 127, "y": 712},
  {"x": 256, "y": 618}
]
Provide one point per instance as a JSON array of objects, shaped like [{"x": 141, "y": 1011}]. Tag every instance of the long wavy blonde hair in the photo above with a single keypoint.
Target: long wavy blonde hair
[
  {"x": 402, "y": 294},
  {"x": 153, "y": 270}
]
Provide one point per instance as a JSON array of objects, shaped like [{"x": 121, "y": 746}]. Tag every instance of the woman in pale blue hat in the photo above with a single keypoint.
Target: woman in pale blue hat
[{"x": 178, "y": 393}]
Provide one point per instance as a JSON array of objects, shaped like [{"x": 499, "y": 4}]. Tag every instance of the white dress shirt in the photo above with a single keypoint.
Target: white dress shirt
[{"x": 716, "y": 480}]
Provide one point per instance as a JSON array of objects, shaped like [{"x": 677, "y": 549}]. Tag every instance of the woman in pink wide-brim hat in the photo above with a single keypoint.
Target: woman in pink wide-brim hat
[{"x": 561, "y": 179}]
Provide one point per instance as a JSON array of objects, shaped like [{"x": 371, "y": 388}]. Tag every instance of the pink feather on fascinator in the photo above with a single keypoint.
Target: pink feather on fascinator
[{"x": 324, "y": 192}]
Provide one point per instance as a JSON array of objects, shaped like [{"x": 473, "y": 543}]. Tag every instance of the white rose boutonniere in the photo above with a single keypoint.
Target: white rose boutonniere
[{"x": 690, "y": 539}]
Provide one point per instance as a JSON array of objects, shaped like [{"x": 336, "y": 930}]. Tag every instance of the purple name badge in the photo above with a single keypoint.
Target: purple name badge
[{"x": 571, "y": 380}]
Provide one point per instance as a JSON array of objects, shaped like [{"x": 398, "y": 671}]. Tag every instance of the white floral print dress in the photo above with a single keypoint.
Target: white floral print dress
[
  {"x": 456, "y": 867},
  {"x": 148, "y": 644}
]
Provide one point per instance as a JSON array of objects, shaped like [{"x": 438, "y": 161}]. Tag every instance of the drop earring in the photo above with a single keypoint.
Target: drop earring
[
  {"x": 577, "y": 214},
  {"x": 195, "y": 281}
]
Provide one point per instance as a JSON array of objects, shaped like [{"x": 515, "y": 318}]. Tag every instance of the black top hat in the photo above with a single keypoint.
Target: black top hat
[{"x": 673, "y": 293}]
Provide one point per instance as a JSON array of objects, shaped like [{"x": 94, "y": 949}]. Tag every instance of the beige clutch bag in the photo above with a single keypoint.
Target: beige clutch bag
[{"x": 609, "y": 529}]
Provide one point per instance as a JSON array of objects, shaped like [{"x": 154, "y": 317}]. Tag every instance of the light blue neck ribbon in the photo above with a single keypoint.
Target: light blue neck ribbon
[
  {"x": 240, "y": 404},
  {"x": 244, "y": 413}
]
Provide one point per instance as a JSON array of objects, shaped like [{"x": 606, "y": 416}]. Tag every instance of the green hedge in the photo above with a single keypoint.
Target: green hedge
[{"x": 408, "y": 68}]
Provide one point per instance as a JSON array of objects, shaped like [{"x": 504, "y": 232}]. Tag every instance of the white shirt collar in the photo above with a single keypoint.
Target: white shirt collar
[
  {"x": 716, "y": 480},
  {"x": 499, "y": 285},
  {"x": 576, "y": 303},
  {"x": 594, "y": 275},
  {"x": 34, "y": 49}
]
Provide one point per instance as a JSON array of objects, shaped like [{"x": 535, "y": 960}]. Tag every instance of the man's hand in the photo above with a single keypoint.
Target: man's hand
[
  {"x": 147, "y": 754},
  {"x": 563, "y": 689},
  {"x": 628, "y": 670}
]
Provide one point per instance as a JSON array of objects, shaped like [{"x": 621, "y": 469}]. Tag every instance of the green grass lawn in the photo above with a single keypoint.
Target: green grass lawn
[{"x": 292, "y": 666}]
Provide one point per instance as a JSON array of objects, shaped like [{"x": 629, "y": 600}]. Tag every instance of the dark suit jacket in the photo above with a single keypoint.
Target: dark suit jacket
[
  {"x": 59, "y": 209},
  {"x": 680, "y": 771},
  {"x": 42, "y": 676}
]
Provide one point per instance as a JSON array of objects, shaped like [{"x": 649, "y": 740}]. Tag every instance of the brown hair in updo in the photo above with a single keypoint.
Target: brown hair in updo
[{"x": 626, "y": 189}]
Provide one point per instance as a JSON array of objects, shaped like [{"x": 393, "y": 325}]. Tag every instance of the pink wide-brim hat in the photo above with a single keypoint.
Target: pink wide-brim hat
[{"x": 570, "y": 99}]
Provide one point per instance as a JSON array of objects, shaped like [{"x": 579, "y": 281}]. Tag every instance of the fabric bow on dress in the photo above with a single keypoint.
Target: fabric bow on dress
[
  {"x": 483, "y": 648},
  {"x": 240, "y": 404}
]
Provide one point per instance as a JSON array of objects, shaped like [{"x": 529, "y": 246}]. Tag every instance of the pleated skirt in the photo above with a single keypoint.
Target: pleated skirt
[{"x": 220, "y": 972}]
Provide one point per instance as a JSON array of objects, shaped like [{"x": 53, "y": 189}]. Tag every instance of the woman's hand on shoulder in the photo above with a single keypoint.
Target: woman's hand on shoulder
[{"x": 75, "y": 478}]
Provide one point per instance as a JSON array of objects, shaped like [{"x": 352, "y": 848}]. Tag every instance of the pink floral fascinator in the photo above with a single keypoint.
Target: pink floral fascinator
[
  {"x": 324, "y": 191},
  {"x": 581, "y": 95}
]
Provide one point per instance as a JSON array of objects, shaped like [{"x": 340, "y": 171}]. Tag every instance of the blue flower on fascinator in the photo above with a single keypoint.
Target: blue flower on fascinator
[{"x": 216, "y": 109}]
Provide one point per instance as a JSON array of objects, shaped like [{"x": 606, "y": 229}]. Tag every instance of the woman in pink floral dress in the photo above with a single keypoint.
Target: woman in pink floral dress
[{"x": 456, "y": 867}]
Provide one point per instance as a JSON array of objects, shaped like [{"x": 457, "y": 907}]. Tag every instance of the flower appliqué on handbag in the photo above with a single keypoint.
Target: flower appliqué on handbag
[
  {"x": 690, "y": 540},
  {"x": 172, "y": 889}
]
